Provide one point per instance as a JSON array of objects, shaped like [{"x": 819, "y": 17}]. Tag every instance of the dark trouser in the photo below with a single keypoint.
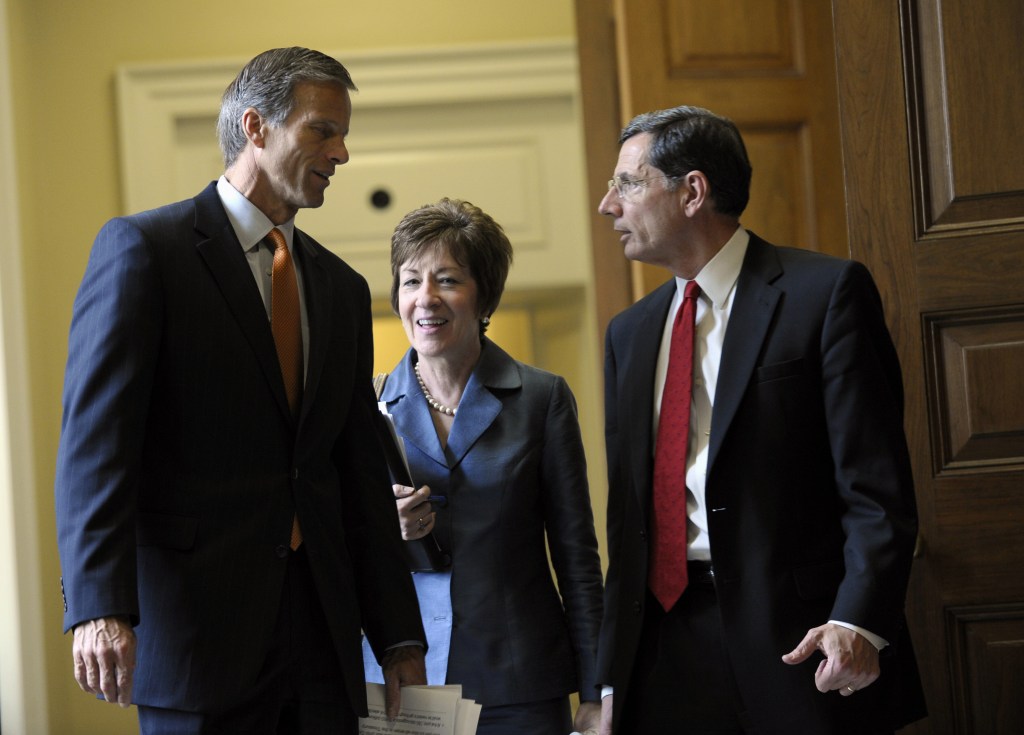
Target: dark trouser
[
  {"x": 300, "y": 690},
  {"x": 681, "y": 679},
  {"x": 550, "y": 717}
]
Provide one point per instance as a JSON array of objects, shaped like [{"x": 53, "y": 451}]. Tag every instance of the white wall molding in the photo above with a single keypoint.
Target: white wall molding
[
  {"x": 23, "y": 691},
  {"x": 497, "y": 124}
]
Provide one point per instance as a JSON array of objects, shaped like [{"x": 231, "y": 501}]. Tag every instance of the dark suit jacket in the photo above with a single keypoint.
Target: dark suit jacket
[
  {"x": 180, "y": 466},
  {"x": 513, "y": 469},
  {"x": 812, "y": 513}
]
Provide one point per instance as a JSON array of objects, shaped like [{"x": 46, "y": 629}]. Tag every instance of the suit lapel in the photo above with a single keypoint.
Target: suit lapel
[
  {"x": 636, "y": 406},
  {"x": 220, "y": 249},
  {"x": 410, "y": 411},
  {"x": 479, "y": 407},
  {"x": 318, "y": 315},
  {"x": 752, "y": 312}
]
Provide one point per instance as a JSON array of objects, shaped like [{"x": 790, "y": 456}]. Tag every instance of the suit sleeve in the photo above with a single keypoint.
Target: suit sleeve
[
  {"x": 115, "y": 330},
  {"x": 615, "y": 514},
  {"x": 387, "y": 597},
  {"x": 569, "y": 522},
  {"x": 863, "y": 394}
]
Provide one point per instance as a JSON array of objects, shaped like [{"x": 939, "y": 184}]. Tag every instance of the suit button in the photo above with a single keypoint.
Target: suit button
[
  {"x": 643, "y": 535},
  {"x": 637, "y": 607},
  {"x": 281, "y": 551},
  {"x": 295, "y": 473}
]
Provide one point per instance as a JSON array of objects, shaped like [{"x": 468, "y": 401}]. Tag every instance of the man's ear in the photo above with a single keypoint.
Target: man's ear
[
  {"x": 696, "y": 192},
  {"x": 253, "y": 125}
]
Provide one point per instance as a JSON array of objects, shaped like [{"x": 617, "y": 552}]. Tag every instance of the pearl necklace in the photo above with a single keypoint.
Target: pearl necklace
[{"x": 431, "y": 401}]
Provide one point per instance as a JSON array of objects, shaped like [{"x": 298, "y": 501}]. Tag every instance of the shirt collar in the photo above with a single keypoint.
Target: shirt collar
[
  {"x": 248, "y": 222},
  {"x": 718, "y": 277}
]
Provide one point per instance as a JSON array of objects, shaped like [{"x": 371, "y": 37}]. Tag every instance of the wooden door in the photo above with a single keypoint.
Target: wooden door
[
  {"x": 766, "y": 64},
  {"x": 931, "y": 103},
  {"x": 932, "y": 108}
]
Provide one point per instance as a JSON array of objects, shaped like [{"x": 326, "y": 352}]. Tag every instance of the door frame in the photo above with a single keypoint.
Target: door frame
[{"x": 23, "y": 691}]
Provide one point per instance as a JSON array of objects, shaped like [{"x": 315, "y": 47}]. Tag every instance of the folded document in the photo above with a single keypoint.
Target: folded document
[{"x": 426, "y": 710}]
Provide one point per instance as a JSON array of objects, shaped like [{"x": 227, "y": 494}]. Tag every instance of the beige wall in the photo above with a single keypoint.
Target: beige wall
[{"x": 63, "y": 56}]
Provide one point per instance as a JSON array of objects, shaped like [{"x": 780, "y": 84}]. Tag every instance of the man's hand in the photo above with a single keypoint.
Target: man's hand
[
  {"x": 104, "y": 652},
  {"x": 402, "y": 666},
  {"x": 851, "y": 662},
  {"x": 588, "y": 718},
  {"x": 606, "y": 715}
]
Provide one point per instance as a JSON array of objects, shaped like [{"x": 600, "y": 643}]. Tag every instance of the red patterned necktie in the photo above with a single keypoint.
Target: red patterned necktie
[
  {"x": 286, "y": 325},
  {"x": 667, "y": 577}
]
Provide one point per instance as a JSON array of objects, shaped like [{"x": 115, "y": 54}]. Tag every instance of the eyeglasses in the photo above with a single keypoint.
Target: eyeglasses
[{"x": 629, "y": 188}]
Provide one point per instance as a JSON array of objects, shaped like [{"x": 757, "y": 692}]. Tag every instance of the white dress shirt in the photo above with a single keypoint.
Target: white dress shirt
[{"x": 251, "y": 228}]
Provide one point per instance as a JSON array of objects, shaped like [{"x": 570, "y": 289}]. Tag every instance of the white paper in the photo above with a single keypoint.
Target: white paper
[
  {"x": 467, "y": 717},
  {"x": 426, "y": 710}
]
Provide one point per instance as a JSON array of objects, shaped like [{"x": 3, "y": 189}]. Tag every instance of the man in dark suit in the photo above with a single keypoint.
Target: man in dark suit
[
  {"x": 225, "y": 520},
  {"x": 797, "y": 515}
]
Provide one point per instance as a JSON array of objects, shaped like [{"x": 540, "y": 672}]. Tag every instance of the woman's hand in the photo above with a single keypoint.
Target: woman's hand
[{"x": 415, "y": 516}]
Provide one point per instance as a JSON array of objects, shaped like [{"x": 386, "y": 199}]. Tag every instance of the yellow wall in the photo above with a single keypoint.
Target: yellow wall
[
  {"x": 63, "y": 57},
  {"x": 511, "y": 328}
]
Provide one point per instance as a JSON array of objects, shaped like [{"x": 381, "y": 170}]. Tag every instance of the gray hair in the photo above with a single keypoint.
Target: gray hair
[
  {"x": 685, "y": 139},
  {"x": 267, "y": 84}
]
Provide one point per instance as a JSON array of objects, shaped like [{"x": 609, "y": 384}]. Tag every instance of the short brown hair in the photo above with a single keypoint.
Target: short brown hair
[{"x": 468, "y": 234}]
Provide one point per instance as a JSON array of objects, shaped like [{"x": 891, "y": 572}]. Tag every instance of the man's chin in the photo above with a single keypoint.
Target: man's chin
[
  {"x": 313, "y": 201},
  {"x": 634, "y": 253}
]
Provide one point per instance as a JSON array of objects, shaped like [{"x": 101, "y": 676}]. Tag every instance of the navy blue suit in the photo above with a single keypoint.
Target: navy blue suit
[
  {"x": 180, "y": 465},
  {"x": 514, "y": 473},
  {"x": 811, "y": 505}
]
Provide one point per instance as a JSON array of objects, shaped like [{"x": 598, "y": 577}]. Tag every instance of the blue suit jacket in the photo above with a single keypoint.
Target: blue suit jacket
[
  {"x": 812, "y": 504},
  {"x": 180, "y": 466},
  {"x": 513, "y": 471}
]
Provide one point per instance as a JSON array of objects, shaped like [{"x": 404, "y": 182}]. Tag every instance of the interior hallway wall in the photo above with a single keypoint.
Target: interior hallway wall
[{"x": 63, "y": 58}]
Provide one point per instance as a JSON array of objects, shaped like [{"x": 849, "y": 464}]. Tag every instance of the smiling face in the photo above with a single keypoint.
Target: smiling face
[
  {"x": 437, "y": 302},
  {"x": 652, "y": 218},
  {"x": 296, "y": 158}
]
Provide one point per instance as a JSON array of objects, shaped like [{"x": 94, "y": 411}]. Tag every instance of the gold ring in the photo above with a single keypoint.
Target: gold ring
[
  {"x": 422, "y": 523},
  {"x": 852, "y": 690}
]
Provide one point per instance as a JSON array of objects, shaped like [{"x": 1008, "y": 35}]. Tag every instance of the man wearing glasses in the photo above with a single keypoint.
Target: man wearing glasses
[{"x": 761, "y": 515}]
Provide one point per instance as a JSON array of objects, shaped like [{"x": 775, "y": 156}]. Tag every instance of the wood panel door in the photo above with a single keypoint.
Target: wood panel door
[
  {"x": 931, "y": 102},
  {"x": 769, "y": 66},
  {"x": 932, "y": 109}
]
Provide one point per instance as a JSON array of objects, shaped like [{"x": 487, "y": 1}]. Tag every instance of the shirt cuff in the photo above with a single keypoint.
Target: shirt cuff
[
  {"x": 406, "y": 643},
  {"x": 876, "y": 641},
  {"x": 606, "y": 691}
]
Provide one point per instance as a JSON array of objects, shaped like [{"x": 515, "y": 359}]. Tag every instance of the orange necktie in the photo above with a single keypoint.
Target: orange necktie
[
  {"x": 286, "y": 325},
  {"x": 667, "y": 577}
]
